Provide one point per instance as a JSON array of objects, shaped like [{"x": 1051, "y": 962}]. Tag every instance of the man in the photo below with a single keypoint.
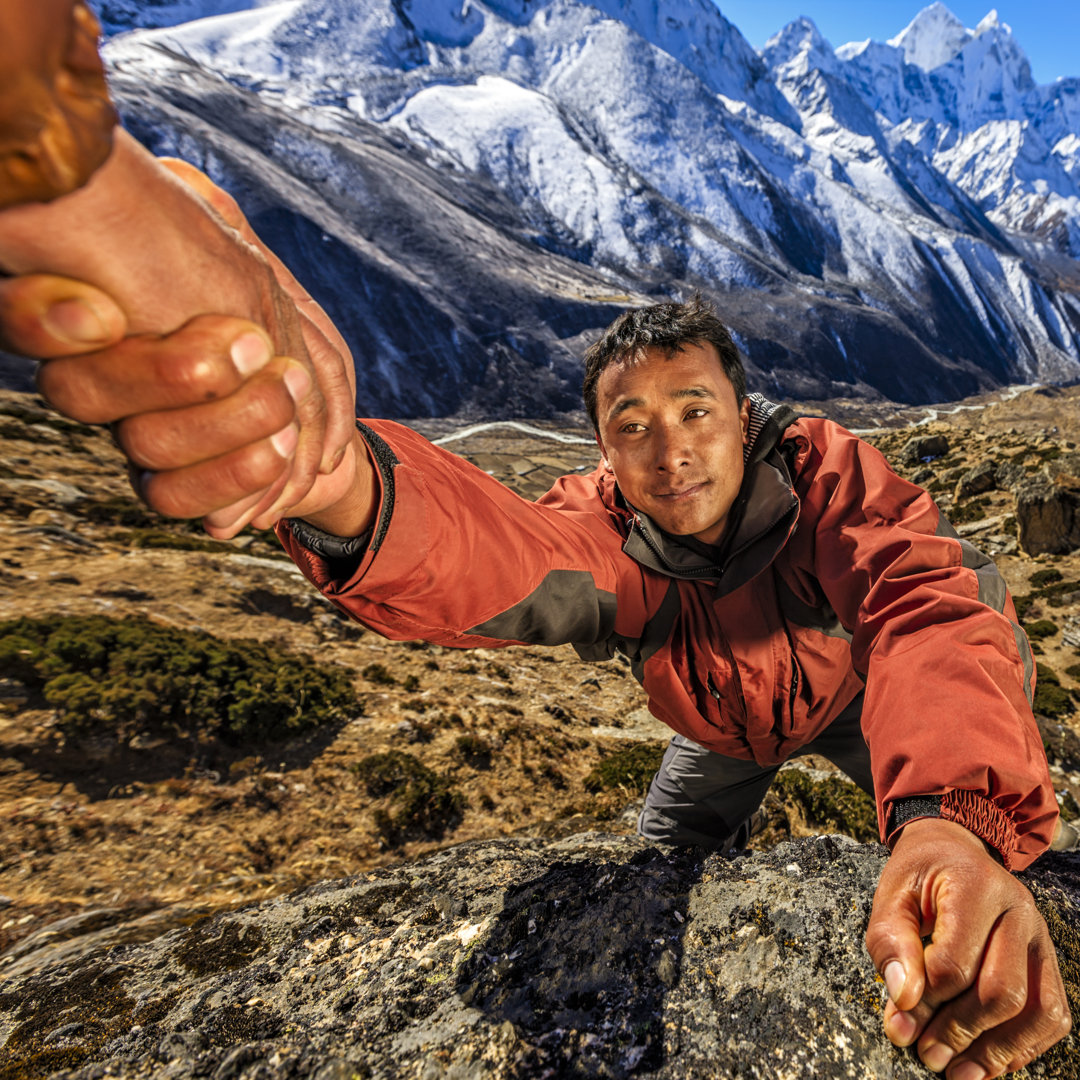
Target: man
[{"x": 755, "y": 568}]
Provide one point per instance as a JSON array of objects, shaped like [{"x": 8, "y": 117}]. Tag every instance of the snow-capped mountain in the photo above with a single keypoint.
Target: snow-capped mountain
[{"x": 470, "y": 185}]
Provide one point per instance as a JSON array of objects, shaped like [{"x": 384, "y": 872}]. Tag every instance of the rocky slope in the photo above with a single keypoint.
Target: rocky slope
[{"x": 114, "y": 838}]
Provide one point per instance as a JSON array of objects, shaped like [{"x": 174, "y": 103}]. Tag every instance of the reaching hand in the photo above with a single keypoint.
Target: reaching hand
[
  {"x": 985, "y": 997},
  {"x": 214, "y": 423}
]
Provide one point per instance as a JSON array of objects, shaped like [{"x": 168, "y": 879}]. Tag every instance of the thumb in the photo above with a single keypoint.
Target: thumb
[
  {"x": 47, "y": 316},
  {"x": 894, "y": 941}
]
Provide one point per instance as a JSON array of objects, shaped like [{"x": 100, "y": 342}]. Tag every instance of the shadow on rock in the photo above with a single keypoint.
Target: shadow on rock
[{"x": 580, "y": 959}]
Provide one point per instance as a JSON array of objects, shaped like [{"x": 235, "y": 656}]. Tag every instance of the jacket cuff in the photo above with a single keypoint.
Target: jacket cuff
[
  {"x": 325, "y": 558},
  {"x": 977, "y": 814}
]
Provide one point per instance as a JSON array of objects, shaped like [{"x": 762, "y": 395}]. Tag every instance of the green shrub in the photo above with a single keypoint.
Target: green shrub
[
  {"x": 1073, "y": 671},
  {"x": 631, "y": 768},
  {"x": 975, "y": 510},
  {"x": 1044, "y": 577},
  {"x": 132, "y": 676},
  {"x": 1042, "y": 628},
  {"x": 378, "y": 674},
  {"x": 422, "y": 803},
  {"x": 832, "y": 804},
  {"x": 474, "y": 750},
  {"x": 1051, "y": 698},
  {"x": 156, "y": 539}
]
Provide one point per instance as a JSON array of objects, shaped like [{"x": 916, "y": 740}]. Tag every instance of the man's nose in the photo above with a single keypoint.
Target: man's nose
[{"x": 672, "y": 451}]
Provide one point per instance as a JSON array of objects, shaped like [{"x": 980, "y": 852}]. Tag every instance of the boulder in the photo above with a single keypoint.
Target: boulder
[
  {"x": 976, "y": 481},
  {"x": 924, "y": 448},
  {"x": 1009, "y": 476},
  {"x": 593, "y": 956},
  {"x": 1048, "y": 508}
]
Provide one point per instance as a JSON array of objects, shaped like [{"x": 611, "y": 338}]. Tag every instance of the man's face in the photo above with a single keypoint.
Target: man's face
[{"x": 672, "y": 433}]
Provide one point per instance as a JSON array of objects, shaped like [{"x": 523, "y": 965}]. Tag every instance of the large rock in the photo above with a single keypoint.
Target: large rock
[
  {"x": 924, "y": 448},
  {"x": 596, "y": 956},
  {"x": 1048, "y": 508}
]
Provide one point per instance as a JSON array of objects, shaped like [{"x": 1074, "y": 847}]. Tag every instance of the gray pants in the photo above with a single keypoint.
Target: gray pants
[{"x": 705, "y": 799}]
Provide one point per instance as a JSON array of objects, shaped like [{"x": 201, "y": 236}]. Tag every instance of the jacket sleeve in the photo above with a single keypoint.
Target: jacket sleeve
[
  {"x": 949, "y": 675},
  {"x": 458, "y": 559}
]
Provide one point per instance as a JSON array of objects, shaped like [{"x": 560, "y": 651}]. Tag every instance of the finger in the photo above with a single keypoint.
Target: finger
[
  {"x": 45, "y": 316},
  {"x": 999, "y": 993},
  {"x": 225, "y": 523},
  {"x": 894, "y": 938},
  {"x": 200, "y": 490},
  {"x": 311, "y": 416},
  {"x": 1015, "y": 1043},
  {"x": 222, "y": 202},
  {"x": 208, "y": 358},
  {"x": 175, "y": 438},
  {"x": 961, "y": 932},
  {"x": 904, "y": 1028}
]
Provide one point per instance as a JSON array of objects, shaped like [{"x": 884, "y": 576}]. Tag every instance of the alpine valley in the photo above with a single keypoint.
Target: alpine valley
[{"x": 473, "y": 188}]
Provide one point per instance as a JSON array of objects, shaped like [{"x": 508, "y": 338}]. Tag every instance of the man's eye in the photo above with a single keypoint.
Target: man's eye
[
  {"x": 694, "y": 413},
  {"x": 632, "y": 428}
]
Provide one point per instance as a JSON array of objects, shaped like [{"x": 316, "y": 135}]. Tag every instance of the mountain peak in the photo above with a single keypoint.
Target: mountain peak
[
  {"x": 933, "y": 37},
  {"x": 990, "y": 21}
]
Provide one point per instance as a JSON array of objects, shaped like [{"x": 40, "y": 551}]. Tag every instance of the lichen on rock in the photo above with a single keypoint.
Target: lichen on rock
[{"x": 591, "y": 956}]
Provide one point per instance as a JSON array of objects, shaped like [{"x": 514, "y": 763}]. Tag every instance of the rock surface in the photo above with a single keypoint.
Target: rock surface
[
  {"x": 1048, "y": 508},
  {"x": 592, "y": 956}
]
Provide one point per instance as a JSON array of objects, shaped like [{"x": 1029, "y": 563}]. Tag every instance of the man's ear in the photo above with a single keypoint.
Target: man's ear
[
  {"x": 744, "y": 419},
  {"x": 603, "y": 453}
]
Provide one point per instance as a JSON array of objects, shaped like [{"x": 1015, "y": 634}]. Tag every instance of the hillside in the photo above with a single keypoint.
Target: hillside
[{"x": 101, "y": 824}]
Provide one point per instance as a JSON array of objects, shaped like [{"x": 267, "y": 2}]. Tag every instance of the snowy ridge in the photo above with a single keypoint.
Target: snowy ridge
[{"x": 898, "y": 217}]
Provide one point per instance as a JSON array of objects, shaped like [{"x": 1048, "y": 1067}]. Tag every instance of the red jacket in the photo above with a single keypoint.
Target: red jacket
[{"x": 836, "y": 574}]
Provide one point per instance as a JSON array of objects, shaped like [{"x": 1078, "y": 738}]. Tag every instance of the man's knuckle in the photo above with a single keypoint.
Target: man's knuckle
[
  {"x": 960, "y": 1033},
  {"x": 254, "y": 468},
  {"x": 192, "y": 375},
  {"x": 945, "y": 973},
  {"x": 1006, "y": 1001}
]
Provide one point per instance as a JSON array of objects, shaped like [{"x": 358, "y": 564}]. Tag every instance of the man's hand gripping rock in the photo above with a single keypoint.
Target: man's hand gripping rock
[{"x": 984, "y": 996}]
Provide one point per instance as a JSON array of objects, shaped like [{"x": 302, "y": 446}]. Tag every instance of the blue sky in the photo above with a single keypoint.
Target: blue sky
[{"x": 1047, "y": 30}]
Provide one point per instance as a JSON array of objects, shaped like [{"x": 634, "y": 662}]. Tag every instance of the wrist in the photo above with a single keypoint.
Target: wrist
[
  {"x": 931, "y": 832},
  {"x": 346, "y": 502}
]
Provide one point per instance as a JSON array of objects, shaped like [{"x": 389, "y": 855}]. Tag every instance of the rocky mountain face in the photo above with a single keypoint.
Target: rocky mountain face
[
  {"x": 596, "y": 956},
  {"x": 473, "y": 188}
]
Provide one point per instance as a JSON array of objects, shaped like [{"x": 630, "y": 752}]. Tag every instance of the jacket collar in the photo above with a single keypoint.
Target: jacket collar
[{"x": 763, "y": 516}]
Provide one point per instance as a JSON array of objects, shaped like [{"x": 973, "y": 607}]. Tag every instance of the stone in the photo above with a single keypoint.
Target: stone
[
  {"x": 1048, "y": 509},
  {"x": 924, "y": 448},
  {"x": 976, "y": 481},
  {"x": 594, "y": 955},
  {"x": 1009, "y": 475}
]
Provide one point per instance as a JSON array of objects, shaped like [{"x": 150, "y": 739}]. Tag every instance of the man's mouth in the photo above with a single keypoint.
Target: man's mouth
[{"x": 687, "y": 491}]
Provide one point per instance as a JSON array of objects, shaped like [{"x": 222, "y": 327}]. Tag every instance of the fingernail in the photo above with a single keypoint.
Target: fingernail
[
  {"x": 969, "y": 1070},
  {"x": 298, "y": 383},
  {"x": 936, "y": 1056},
  {"x": 894, "y": 978},
  {"x": 284, "y": 442},
  {"x": 339, "y": 457},
  {"x": 76, "y": 321},
  {"x": 902, "y": 1029},
  {"x": 249, "y": 352}
]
